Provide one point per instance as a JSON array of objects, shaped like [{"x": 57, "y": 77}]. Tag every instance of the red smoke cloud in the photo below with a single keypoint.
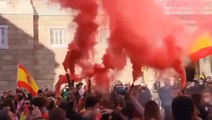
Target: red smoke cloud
[
  {"x": 147, "y": 36},
  {"x": 84, "y": 40},
  {"x": 81, "y": 49},
  {"x": 61, "y": 80},
  {"x": 139, "y": 30}
]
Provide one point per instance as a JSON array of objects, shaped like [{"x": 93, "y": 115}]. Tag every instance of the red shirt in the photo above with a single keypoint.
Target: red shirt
[{"x": 45, "y": 115}]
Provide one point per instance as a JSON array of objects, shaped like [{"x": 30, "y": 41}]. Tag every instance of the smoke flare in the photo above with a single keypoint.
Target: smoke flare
[
  {"x": 139, "y": 30},
  {"x": 147, "y": 36},
  {"x": 84, "y": 40}
]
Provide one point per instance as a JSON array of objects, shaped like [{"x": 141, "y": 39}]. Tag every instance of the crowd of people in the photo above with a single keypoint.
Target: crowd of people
[{"x": 122, "y": 102}]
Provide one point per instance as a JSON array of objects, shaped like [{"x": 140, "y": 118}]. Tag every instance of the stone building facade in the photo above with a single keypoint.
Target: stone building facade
[
  {"x": 17, "y": 42},
  {"x": 187, "y": 12},
  {"x": 32, "y": 33},
  {"x": 36, "y": 33}
]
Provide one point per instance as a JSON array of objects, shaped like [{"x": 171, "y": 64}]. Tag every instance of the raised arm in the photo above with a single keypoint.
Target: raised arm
[{"x": 136, "y": 104}]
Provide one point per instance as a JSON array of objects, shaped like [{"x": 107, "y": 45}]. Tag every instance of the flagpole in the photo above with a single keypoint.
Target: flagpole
[
  {"x": 17, "y": 76},
  {"x": 211, "y": 63},
  {"x": 69, "y": 80}
]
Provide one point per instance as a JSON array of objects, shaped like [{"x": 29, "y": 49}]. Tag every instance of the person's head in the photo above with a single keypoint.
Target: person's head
[
  {"x": 166, "y": 82},
  {"x": 208, "y": 77},
  {"x": 92, "y": 104},
  {"x": 127, "y": 85},
  {"x": 196, "y": 98},
  {"x": 209, "y": 84},
  {"x": 57, "y": 114},
  {"x": 152, "y": 111},
  {"x": 105, "y": 117},
  {"x": 79, "y": 86},
  {"x": 135, "y": 91},
  {"x": 29, "y": 96},
  {"x": 26, "y": 102},
  {"x": 46, "y": 88},
  {"x": 26, "y": 106},
  {"x": 196, "y": 83},
  {"x": 17, "y": 90},
  {"x": 182, "y": 108},
  {"x": 40, "y": 102},
  {"x": 5, "y": 95},
  {"x": 68, "y": 107},
  {"x": 40, "y": 92},
  {"x": 207, "y": 97},
  {"x": 201, "y": 78},
  {"x": 8, "y": 105},
  {"x": 10, "y": 93},
  {"x": 4, "y": 115},
  {"x": 201, "y": 82},
  {"x": 119, "y": 88},
  {"x": 63, "y": 105},
  {"x": 50, "y": 94},
  {"x": 51, "y": 103},
  {"x": 21, "y": 96}
]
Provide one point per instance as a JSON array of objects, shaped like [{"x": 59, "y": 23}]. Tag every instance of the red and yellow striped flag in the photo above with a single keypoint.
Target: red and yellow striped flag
[
  {"x": 24, "y": 80},
  {"x": 202, "y": 47}
]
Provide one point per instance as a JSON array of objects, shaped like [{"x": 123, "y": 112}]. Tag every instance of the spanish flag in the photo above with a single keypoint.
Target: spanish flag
[
  {"x": 201, "y": 48},
  {"x": 24, "y": 80}
]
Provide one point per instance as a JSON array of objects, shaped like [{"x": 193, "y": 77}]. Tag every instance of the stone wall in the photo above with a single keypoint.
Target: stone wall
[
  {"x": 20, "y": 49},
  {"x": 49, "y": 58},
  {"x": 29, "y": 43}
]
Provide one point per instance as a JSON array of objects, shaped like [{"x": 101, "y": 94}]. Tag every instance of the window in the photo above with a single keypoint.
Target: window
[
  {"x": 58, "y": 36},
  {"x": 61, "y": 36},
  {"x": 3, "y": 36},
  {"x": 104, "y": 35}
]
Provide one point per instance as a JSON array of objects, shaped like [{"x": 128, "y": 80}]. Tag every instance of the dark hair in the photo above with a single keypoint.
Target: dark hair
[
  {"x": 10, "y": 91},
  {"x": 63, "y": 105},
  {"x": 80, "y": 83},
  {"x": 70, "y": 113},
  {"x": 50, "y": 106},
  {"x": 105, "y": 117},
  {"x": 196, "y": 82},
  {"x": 29, "y": 96},
  {"x": 40, "y": 91},
  {"x": 39, "y": 101},
  {"x": 57, "y": 114},
  {"x": 196, "y": 98},
  {"x": 9, "y": 103},
  {"x": 182, "y": 108},
  {"x": 91, "y": 102},
  {"x": 66, "y": 105},
  {"x": 4, "y": 115},
  {"x": 151, "y": 111},
  {"x": 50, "y": 94}
]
